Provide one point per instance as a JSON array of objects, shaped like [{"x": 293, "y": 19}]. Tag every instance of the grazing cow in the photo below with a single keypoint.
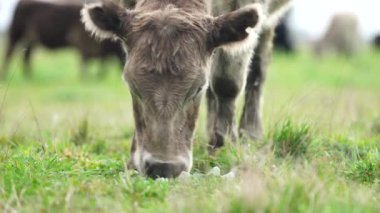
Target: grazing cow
[
  {"x": 342, "y": 36},
  {"x": 170, "y": 47},
  {"x": 55, "y": 25}
]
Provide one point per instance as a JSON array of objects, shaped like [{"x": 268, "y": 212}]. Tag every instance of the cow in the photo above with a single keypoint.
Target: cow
[
  {"x": 342, "y": 36},
  {"x": 283, "y": 40},
  {"x": 54, "y": 26},
  {"x": 176, "y": 52},
  {"x": 232, "y": 72}
]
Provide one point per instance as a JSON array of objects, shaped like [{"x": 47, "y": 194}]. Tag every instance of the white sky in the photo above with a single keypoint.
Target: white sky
[
  {"x": 310, "y": 17},
  {"x": 6, "y": 10}
]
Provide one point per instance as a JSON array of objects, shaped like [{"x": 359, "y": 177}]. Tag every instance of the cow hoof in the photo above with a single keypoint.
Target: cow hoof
[
  {"x": 184, "y": 176},
  {"x": 251, "y": 135},
  {"x": 129, "y": 166},
  {"x": 215, "y": 171},
  {"x": 229, "y": 176}
]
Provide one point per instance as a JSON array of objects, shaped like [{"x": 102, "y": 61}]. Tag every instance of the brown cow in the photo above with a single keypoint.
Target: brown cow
[
  {"x": 170, "y": 44},
  {"x": 54, "y": 26}
]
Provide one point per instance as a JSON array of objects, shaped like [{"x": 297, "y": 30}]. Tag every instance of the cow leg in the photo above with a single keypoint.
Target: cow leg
[
  {"x": 102, "y": 68},
  {"x": 250, "y": 122},
  {"x": 7, "y": 58},
  {"x": 27, "y": 64},
  {"x": 211, "y": 116},
  {"x": 227, "y": 80},
  {"x": 84, "y": 68}
]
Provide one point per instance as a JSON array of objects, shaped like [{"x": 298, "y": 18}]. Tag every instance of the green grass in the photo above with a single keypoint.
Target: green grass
[
  {"x": 291, "y": 140},
  {"x": 64, "y": 143}
]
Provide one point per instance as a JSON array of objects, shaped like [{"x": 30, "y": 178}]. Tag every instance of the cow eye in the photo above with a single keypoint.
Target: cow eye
[
  {"x": 193, "y": 94},
  {"x": 196, "y": 93}
]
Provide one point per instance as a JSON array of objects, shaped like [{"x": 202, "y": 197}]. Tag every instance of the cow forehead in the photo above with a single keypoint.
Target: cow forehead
[
  {"x": 168, "y": 50},
  {"x": 169, "y": 10},
  {"x": 168, "y": 40},
  {"x": 169, "y": 22}
]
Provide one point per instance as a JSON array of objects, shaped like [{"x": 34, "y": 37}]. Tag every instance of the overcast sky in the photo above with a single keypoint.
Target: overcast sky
[
  {"x": 310, "y": 17},
  {"x": 6, "y": 10}
]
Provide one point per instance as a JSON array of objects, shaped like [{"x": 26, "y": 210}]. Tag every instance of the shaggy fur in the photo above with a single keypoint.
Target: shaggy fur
[{"x": 234, "y": 72}]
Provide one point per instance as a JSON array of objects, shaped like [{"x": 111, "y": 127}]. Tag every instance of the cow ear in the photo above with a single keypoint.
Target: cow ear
[
  {"x": 106, "y": 20},
  {"x": 237, "y": 30}
]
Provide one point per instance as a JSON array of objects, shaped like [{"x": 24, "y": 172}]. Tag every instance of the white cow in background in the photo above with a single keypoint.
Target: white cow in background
[{"x": 310, "y": 18}]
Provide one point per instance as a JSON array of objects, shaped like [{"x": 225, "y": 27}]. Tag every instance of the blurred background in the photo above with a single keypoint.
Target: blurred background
[
  {"x": 325, "y": 53},
  {"x": 342, "y": 27},
  {"x": 308, "y": 20}
]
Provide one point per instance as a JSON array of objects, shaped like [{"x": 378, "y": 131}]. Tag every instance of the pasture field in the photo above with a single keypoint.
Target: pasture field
[{"x": 64, "y": 142}]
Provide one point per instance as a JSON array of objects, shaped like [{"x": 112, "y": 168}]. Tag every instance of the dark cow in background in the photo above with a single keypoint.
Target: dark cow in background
[
  {"x": 54, "y": 26},
  {"x": 376, "y": 42},
  {"x": 283, "y": 40}
]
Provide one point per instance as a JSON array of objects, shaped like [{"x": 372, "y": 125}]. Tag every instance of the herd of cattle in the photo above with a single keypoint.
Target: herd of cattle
[
  {"x": 56, "y": 24},
  {"x": 177, "y": 51}
]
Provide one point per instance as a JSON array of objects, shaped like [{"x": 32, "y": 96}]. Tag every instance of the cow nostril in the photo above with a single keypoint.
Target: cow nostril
[{"x": 163, "y": 170}]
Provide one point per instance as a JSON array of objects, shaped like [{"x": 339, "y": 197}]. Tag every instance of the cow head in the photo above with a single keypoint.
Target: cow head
[{"x": 169, "y": 51}]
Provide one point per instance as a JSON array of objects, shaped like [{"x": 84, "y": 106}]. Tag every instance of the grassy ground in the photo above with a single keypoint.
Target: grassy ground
[{"x": 63, "y": 144}]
